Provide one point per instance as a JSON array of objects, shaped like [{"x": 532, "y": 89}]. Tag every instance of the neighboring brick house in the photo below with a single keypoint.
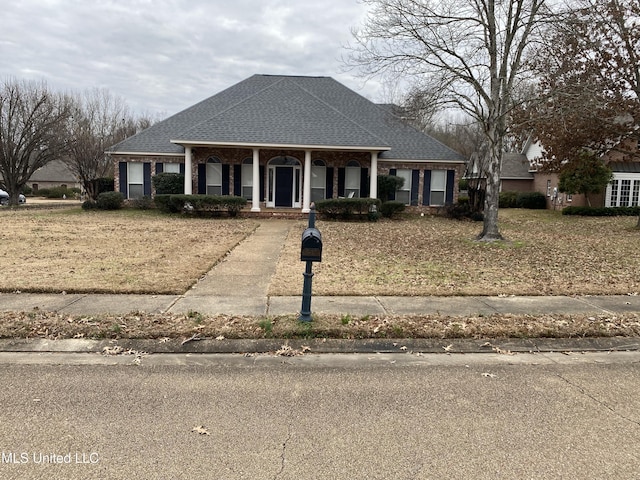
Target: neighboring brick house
[
  {"x": 624, "y": 189},
  {"x": 286, "y": 141}
]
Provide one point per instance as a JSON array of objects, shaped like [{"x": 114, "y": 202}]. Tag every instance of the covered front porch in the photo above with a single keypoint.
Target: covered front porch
[{"x": 283, "y": 177}]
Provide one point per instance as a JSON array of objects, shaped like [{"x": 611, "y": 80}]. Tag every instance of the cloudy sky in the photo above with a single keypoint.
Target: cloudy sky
[{"x": 162, "y": 56}]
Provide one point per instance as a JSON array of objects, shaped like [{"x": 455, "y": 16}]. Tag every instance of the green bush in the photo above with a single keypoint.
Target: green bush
[
  {"x": 58, "y": 192},
  {"x": 168, "y": 183},
  {"x": 347, "y": 208},
  {"x": 388, "y": 185},
  {"x": 391, "y": 208},
  {"x": 461, "y": 211},
  {"x": 142, "y": 203},
  {"x": 103, "y": 184},
  {"x": 110, "y": 201},
  {"x": 602, "y": 211},
  {"x": 531, "y": 200},
  {"x": 200, "y": 204},
  {"x": 508, "y": 199},
  {"x": 89, "y": 205},
  {"x": 26, "y": 190}
]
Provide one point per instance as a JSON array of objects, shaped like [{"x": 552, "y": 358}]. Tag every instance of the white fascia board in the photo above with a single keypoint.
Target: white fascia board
[
  {"x": 147, "y": 154},
  {"x": 281, "y": 146},
  {"x": 418, "y": 160}
]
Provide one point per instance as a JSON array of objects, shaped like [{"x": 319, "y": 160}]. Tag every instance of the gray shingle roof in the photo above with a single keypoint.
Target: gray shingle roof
[
  {"x": 296, "y": 111},
  {"x": 515, "y": 166}
]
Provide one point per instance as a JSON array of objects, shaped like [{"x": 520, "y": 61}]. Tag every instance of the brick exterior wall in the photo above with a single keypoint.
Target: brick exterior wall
[{"x": 236, "y": 156}]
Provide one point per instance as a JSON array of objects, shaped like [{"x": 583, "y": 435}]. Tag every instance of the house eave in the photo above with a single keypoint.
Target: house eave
[
  {"x": 419, "y": 160},
  {"x": 147, "y": 154},
  {"x": 282, "y": 146}
]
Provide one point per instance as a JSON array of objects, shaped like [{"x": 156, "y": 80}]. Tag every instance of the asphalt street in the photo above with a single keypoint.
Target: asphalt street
[{"x": 374, "y": 416}]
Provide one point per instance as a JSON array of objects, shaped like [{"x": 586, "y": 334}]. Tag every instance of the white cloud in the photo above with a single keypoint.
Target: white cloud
[{"x": 164, "y": 55}]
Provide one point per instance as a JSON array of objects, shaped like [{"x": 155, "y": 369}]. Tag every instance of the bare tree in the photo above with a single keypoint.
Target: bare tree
[
  {"x": 32, "y": 131},
  {"x": 472, "y": 49},
  {"x": 589, "y": 74},
  {"x": 99, "y": 121}
]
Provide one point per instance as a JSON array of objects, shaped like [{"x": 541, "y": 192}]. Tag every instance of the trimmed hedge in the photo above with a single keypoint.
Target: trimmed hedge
[
  {"x": 110, "y": 201},
  {"x": 200, "y": 204},
  {"x": 58, "y": 192},
  {"x": 168, "y": 183},
  {"x": 391, "y": 208},
  {"x": 602, "y": 211},
  {"x": 530, "y": 200},
  {"x": 347, "y": 208}
]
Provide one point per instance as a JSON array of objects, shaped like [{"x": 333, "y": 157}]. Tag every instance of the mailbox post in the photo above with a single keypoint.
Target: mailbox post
[{"x": 310, "y": 252}]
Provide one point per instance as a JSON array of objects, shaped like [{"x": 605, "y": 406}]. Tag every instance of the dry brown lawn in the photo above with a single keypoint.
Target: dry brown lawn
[
  {"x": 546, "y": 253},
  {"x": 126, "y": 251},
  {"x": 145, "y": 252}
]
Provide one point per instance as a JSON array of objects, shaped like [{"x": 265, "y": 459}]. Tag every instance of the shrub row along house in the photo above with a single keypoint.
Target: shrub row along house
[{"x": 287, "y": 141}]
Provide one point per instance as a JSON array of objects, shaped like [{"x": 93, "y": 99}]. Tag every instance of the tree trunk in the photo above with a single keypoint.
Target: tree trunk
[
  {"x": 490, "y": 230},
  {"x": 638, "y": 226}
]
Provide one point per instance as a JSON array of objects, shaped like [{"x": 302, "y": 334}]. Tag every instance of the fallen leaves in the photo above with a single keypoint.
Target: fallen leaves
[{"x": 201, "y": 430}]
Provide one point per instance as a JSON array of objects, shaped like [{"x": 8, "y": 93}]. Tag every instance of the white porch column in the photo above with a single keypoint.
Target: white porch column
[
  {"x": 188, "y": 176},
  {"x": 306, "y": 183},
  {"x": 373, "y": 184},
  {"x": 255, "y": 185}
]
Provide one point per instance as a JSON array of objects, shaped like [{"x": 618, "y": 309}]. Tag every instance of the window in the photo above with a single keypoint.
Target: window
[
  {"x": 352, "y": 180},
  {"x": 318, "y": 180},
  {"x": 548, "y": 188},
  {"x": 613, "y": 202},
  {"x": 438, "y": 187},
  {"x": 135, "y": 179},
  {"x": 214, "y": 176},
  {"x": 171, "y": 168},
  {"x": 625, "y": 190},
  {"x": 403, "y": 194},
  {"x": 635, "y": 200},
  {"x": 247, "y": 178}
]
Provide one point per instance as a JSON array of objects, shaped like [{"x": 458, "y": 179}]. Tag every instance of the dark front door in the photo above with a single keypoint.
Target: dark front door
[{"x": 284, "y": 186}]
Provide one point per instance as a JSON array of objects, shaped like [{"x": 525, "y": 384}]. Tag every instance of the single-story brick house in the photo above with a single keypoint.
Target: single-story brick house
[{"x": 287, "y": 141}]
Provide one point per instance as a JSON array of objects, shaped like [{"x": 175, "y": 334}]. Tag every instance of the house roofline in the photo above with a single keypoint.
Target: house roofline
[
  {"x": 147, "y": 154},
  {"x": 193, "y": 143},
  {"x": 418, "y": 160}
]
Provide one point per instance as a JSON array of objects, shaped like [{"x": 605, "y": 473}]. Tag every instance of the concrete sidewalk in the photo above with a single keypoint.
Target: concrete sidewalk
[{"x": 356, "y": 306}]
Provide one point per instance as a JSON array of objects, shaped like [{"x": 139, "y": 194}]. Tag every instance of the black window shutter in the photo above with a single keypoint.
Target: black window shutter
[
  {"x": 341, "y": 180},
  {"x": 202, "y": 178},
  {"x": 415, "y": 180},
  {"x": 146, "y": 175},
  {"x": 392, "y": 172},
  {"x": 451, "y": 177},
  {"x": 226, "y": 170},
  {"x": 122, "y": 168},
  {"x": 364, "y": 182},
  {"x": 182, "y": 168},
  {"x": 262, "y": 181},
  {"x": 329, "y": 184},
  {"x": 426, "y": 191},
  {"x": 237, "y": 180}
]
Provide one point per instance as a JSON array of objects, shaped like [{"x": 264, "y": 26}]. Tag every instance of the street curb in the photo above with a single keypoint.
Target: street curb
[{"x": 297, "y": 346}]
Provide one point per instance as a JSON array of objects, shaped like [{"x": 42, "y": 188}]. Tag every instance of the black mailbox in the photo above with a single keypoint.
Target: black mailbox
[{"x": 311, "y": 245}]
